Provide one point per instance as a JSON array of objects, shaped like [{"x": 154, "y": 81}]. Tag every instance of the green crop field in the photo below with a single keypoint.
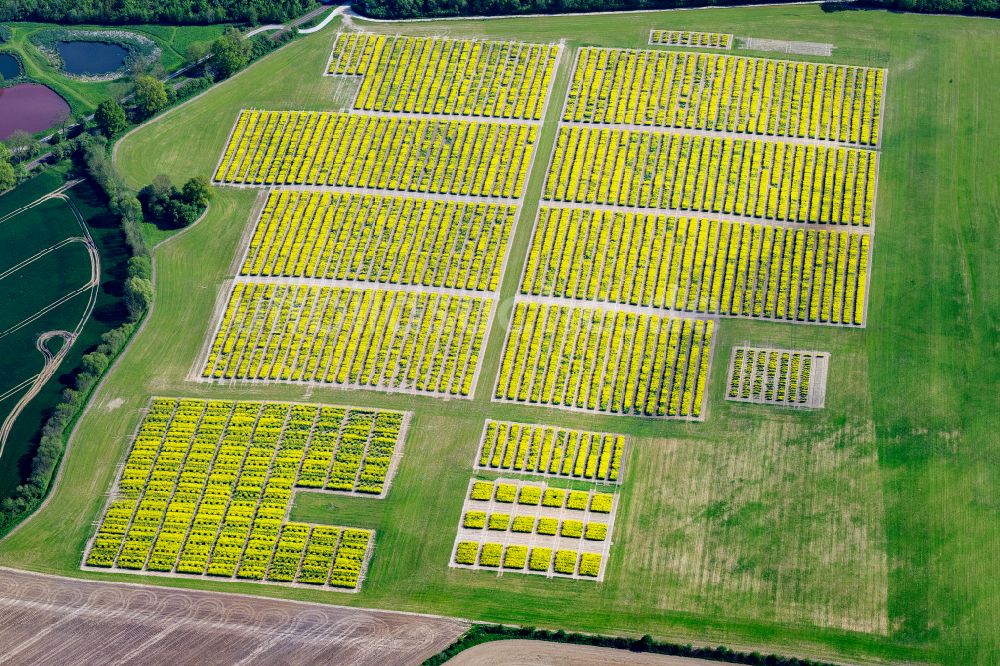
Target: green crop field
[
  {"x": 45, "y": 270},
  {"x": 865, "y": 531}
]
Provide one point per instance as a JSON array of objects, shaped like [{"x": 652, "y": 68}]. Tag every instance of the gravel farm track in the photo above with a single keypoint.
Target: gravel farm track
[{"x": 55, "y": 620}]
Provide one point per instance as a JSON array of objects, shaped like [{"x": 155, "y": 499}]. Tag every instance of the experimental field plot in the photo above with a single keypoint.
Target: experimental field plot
[
  {"x": 207, "y": 486},
  {"x": 604, "y": 360},
  {"x": 379, "y": 338},
  {"x": 513, "y": 526},
  {"x": 758, "y": 178},
  {"x": 446, "y": 76},
  {"x": 551, "y": 451},
  {"x": 378, "y": 152},
  {"x": 726, "y": 93},
  {"x": 701, "y": 40},
  {"x": 784, "y": 377},
  {"x": 699, "y": 265},
  {"x": 380, "y": 239}
]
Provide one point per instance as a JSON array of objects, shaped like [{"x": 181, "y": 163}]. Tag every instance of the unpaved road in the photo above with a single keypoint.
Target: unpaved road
[
  {"x": 542, "y": 653},
  {"x": 54, "y": 620}
]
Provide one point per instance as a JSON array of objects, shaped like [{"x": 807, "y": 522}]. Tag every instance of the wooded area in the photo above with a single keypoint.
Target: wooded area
[
  {"x": 396, "y": 9},
  {"x": 148, "y": 11}
]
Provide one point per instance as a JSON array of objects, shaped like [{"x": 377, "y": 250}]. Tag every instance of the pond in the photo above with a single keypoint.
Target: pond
[
  {"x": 30, "y": 107},
  {"x": 91, "y": 58},
  {"x": 9, "y": 67}
]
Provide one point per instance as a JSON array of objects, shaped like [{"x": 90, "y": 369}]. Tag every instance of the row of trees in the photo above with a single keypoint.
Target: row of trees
[
  {"x": 399, "y": 9},
  {"x": 485, "y": 633},
  {"x": 153, "y": 11}
]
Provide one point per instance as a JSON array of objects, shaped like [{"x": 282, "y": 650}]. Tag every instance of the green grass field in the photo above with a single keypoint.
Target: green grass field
[{"x": 867, "y": 531}]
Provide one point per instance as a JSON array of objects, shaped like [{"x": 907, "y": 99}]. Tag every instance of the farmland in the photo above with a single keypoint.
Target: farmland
[
  {"x": 850, "y": 532},
  {"x": 47, "y": 328},
  {"x": 207, "y": 483}
]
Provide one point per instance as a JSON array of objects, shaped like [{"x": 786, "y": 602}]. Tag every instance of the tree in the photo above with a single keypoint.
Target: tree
[
  {"x": 230, "y": 53},
  {"x": 22, "y": 145},
  {"x": 110, "y": 117},
  {"x": 8, "y": 176},
  {"x": 195, "y": 52},
  {"x": 138, "y": 296},
  {"x": 149, "y": 95},
  {"x": 197, "y": 192}
]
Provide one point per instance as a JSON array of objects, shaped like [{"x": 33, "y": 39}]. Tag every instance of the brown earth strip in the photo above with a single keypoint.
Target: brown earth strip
[{"x": 54, "y": 620}]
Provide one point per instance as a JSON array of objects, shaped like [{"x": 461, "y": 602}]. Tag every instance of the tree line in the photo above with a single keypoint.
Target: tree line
[
  {"x": 486, "y": 633},
  {"x": 153, "y": 11},
  {"x": 399, "y": 9}
]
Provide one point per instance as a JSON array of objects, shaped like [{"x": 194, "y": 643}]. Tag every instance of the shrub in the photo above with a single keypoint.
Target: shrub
[
  {"x": 601, "y": 502},
  {"x": 571, "y": 528},
  {"x": 515, "y": 557},
  {"x": 489, "y": 556},
  {"x": 540, "y": 559},
  {"x": 466, "y": 552},
  {"x": 475, "y": 519},
  {"x": 596, "y": 531}
]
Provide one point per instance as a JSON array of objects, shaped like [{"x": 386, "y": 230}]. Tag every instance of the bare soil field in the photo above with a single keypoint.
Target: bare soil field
[
  {"x": 538, "y": 653},
  {"x": 53, "y": 620}
]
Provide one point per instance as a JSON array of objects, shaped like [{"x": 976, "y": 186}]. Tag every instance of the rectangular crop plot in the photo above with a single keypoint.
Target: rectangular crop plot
[
  {"x": 372, "y": 338},
  {"x": 390, "y": 153},
  {"x": 207, "y": 485},
  {"x": 727, "y": 93},
  {"x": 551, "y": 451},
  {"x": 513, "y": 526},
  {"x": 778, "y": 377},
  {"x": 749, "y": 177},
  {"x": 446, "y": 76},
  {"x": 601, "y": 360},
  {"x": 702, "y": 40},
  {"x": 382, "y": 239},
  {"x": 705, "y": 266}
]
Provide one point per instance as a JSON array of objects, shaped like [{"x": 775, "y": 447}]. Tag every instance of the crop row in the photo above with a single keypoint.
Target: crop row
[
  {"x": 393, "y": 340},
  {"x": 205, "y": 490},
  {"x": 541, "y": 449},
  {"x": 386, "y": 239},
  {"x": 541, "y": 560},
  {"x": 529, "y": 524},
  {"x": 446, "y": 76},
  {"x": 414, "y": 155},
  {"x": 727, "y": 93},
  {"x": 605, "y": 360},
  {"x": 705, "y": 266},
  {"x": 750, "y": 177},
  {"x": 546, "y": 496},
  {"x": 775, "y": 376},
  {"x": 705, "y": 40}
]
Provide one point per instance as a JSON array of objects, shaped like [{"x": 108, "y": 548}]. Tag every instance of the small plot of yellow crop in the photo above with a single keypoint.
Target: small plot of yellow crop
[
  {"x": 727, "y": 93},
  {"x": 385, "y": 239},
  {"x": 705, "y": 266},
  {"x": 446, "y": 76},
  {"x": 605, "y": 361},
  {"x": 389, "y": 153},
  {"x": 393, "y": 340},
  {"x": 750, "y": 177}
]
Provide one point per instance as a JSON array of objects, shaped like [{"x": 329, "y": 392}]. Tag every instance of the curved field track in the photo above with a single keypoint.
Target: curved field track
[
  {"x": 542, "y": 653},
  {"x": 53, "y": 620}
]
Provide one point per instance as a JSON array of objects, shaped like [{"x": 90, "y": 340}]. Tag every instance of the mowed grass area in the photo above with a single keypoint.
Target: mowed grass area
[{"x": 867, "y": 531}]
